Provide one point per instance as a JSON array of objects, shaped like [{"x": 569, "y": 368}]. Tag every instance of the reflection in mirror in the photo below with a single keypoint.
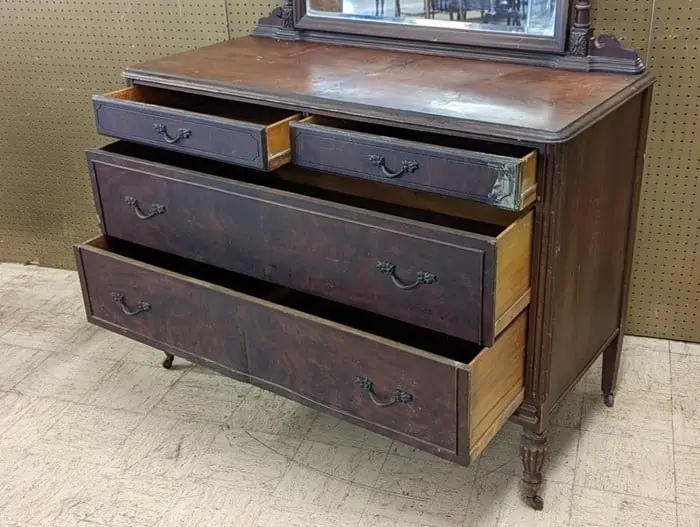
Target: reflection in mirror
[{"x": 533, "y": 17}]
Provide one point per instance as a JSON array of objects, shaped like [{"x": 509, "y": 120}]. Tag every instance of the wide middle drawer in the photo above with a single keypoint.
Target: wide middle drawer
[{"x": 459, "y": 277}]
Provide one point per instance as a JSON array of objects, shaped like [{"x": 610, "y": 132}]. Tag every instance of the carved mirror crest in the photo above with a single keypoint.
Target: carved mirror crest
[{"x": 553, "y": 33}]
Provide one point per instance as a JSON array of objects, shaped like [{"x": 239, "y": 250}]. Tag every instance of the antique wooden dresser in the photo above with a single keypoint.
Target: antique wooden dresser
[{"x": 424, "y": 236}]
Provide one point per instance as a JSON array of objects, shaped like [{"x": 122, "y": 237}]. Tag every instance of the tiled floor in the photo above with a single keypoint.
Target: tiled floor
[{"x": 93, "y": 432}]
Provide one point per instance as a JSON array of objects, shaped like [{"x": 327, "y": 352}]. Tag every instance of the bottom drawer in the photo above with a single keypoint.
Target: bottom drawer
[{"x": 434, "y": 391}]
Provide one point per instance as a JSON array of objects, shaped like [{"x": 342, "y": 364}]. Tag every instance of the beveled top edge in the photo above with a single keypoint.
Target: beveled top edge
[{"x": 538, "y": 106}]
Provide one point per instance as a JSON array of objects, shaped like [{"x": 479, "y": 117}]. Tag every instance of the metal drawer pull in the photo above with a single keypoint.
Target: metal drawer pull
[
  {"x": 141, "y": 306},
  {"x": 182, "y": 133},
  {"x": 422, "y": 277},
  {"x": 134, "y": 204},
  {"x": 406, "y": 166},
  {"x": 399, "y": 396}
]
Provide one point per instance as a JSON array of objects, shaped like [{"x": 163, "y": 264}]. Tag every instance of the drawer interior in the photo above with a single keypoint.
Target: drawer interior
[
  {"x": 486, "y": 147},
  {"x": 274, "y": 181},
  {"x": 425, "y": 339},
  {"x": 192, "y": 103}
]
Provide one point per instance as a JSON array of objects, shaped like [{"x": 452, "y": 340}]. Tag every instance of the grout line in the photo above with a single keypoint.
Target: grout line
[
  {"x": 379, "y": 473},
  {"x": 673, "y": 433},
  {"x": 618, "y": 493},
  {"x": 32, "y": 369},
  {"x": 625, "y": 436},
  {"x": 573, "y": 481}
]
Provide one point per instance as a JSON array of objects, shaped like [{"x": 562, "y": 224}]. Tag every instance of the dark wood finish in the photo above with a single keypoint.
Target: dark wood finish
[
  {"x": 605, "y": 183},
  {"x": 533, "y": 451},
  {"x": 319, "y": 360},
  {"x": 476, "y": 98},
  {"x": 580, "y": 31},
  {"x": 583, "y": 52},
  {"x": 565, "y": 261},
  {"x": 611, "y": 356},
  {"x": 247, "y": 135},
  {"x": 184, "y": 316},
  {"x": 262, "y": 232},
  {"x": 500, "y": 176}
]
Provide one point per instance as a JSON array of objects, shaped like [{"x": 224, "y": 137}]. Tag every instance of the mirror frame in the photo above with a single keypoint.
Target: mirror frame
[
  {"x": 446, "y": 35},
  {"x": 572, "y": 48}
]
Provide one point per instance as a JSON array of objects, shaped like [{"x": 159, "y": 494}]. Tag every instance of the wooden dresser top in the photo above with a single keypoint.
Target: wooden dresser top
[{"x": 470, "y": 97}]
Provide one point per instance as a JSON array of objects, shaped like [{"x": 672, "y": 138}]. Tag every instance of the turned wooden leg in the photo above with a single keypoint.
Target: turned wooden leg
[
  {"x": 611, "y": 363},
  {"x": 168, "y": 362},
  {"x": 533, "y": 449}
]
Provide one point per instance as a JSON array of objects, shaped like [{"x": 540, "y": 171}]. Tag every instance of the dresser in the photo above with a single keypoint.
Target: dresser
[{"x": 427, "y": 245}]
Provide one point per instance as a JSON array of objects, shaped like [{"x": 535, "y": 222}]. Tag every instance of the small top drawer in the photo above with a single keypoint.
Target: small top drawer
[
  {"x": 243, "y": 134},
  {"x": 499, "y": 175}
]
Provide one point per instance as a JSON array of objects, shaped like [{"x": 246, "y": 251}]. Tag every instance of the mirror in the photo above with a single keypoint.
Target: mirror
[{"x": 536, "y": 18}]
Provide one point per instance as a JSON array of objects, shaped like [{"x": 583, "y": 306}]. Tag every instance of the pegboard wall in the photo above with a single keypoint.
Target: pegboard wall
[{"x": 54, "y": 54}]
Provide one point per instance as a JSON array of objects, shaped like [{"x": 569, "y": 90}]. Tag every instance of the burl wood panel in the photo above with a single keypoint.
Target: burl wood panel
[
  {"x": 584, "y": 306},
  {"x": 196, "y": 125},
  {"x": 264, "y": 233},
  {"x": 185, "y": 315},
  {"x": 494, "y": 179},
  {"x": 439, "y": 93}
]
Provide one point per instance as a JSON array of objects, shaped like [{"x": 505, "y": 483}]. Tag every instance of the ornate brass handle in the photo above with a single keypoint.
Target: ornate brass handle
[
  {"x": 399, "y": 396},
  {"x": 422, "y": 277},
  {"x": 141, "y": 306},
  {"x": 406, "y": 166},
  {"x": 134, "y": 204},
  {"x": 182, "y": 133}
]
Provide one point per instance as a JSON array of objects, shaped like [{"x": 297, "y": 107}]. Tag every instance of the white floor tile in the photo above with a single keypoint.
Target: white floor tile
[
  {"x": 626, "y": 465},
  {"x": 95, "y": 433},
  {"x": 595, "y": 508}
]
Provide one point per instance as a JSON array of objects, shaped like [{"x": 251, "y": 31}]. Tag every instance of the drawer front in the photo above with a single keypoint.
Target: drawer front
[
  {"x": 156, "y": 307},
  {"x": 447, "y": 396},
  {"x": 237, "y": 143},
  {"x": 222, "y": 130},
  {"x": 370, "y": 378},
  {"x": 496, "y": 180},
  {"x": 418, "y": 273}
]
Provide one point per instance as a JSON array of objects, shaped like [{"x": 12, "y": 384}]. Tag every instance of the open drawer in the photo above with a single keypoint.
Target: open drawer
[
  {"x": 496, "y": 174},
  {"x": 436, "y": 392},
  {"x": 465, "y": 278},
  {"x": 239, "y": 133}
]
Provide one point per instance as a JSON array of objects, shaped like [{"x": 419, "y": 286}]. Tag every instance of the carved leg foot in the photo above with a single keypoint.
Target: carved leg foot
[
  {"x": 168, "y": 362},
  {"x": 533, "y": 449},
  {"x": 611, "y": 364}
]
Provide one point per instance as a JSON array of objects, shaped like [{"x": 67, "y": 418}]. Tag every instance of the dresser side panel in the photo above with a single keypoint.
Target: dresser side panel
[{"x": 586, "y": 267}]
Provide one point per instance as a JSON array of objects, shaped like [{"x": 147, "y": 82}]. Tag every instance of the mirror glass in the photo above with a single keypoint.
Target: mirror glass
[{"x": 532, "y": 17}]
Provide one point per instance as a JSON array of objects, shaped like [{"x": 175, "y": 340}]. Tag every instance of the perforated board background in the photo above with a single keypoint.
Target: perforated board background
[{"x": 54, "y": 54}]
